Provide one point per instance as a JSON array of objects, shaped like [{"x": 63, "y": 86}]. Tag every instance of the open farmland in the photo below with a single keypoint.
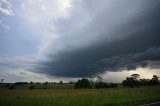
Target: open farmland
[{"x": 78, "y": 97}]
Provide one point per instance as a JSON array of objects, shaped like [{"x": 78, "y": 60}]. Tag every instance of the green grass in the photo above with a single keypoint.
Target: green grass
[
  {"x": 48, "y": 86},
  {"x": 78, "y": 97}
]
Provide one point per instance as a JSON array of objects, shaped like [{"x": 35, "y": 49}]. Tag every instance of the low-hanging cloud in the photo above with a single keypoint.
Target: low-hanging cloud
[{"x": 100, "y": 36}]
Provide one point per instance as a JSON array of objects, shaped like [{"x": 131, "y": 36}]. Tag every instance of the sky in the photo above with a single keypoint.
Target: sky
[{"x": 53, "y": 40}]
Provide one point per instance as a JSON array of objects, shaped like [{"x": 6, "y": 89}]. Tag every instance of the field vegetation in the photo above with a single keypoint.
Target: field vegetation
[
  {"x": 81, "y": 93},
  {"x": 78, "y": 97}
]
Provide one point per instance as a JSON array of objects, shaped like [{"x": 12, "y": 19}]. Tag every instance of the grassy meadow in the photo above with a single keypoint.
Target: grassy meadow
[{"x": 78, "y": 97}]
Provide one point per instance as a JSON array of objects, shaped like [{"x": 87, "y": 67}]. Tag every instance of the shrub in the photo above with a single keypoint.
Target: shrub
[
  {"x": 100, "y": 85},
  {"x": 31, "y": 87},
  {"x": 44, "y": 86},
  {"x": 12, "y": 86},
  {"x": 21, "y": 83},
  {"x": 113, "y": 85},
  {"x": 105, "y": 85}
]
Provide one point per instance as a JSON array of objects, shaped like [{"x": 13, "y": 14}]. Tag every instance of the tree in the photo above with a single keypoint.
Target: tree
[
  {"x": 12, "y": 86},
  {"x": 31, "y": 82},
  {"x": 61, "y": 82},
  {"x": 92, "y": 83},
  {"x": 21, "y": 83},
  {"x": 2, "y": 80},
  {"x": 155, "y": 77},
  {"x": 45, "y": 85},
  {"x": 100, "y": 85},
  {"x": 31, "y": 86},
  {"x": 83, "y": 83},
  {"x": 135, "y": 76},
  {"x": 144, "y": 82},
  {"x": 154, "y": 80},
  {"x": 99, "y": 78},
  {"x": 131, "y": 82}
]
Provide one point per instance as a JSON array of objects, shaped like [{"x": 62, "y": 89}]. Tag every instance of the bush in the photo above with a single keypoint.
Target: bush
[
  {"x": 21, "y": 83},
  {"x": 44, "y": 86},
  {"x": 7, "y": 85},
  {"x": 113, "y": 85},
  {"x": 12, "y": 86},
  {"x": 105, "y": 85},
  {"x": 31, "y": 87},
  {"x": 100, "y": 85}
]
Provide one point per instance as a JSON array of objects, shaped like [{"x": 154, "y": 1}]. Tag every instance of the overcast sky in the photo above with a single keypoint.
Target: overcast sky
[{"x": 52, "y": 40}]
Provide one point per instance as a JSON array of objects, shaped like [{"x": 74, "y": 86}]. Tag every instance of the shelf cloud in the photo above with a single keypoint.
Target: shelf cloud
[{"x": 100, "y": 36}]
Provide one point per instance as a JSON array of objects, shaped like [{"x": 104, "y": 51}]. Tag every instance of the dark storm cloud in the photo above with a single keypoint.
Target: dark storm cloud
[{"x": 111, "y": 41}]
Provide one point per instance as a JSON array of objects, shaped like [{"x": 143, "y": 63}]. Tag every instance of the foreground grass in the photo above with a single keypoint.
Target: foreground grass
[{"x": 79, "y": 97}]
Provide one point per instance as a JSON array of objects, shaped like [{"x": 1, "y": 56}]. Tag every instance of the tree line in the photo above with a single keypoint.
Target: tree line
[
  {"x": 84, "y": 83},
  {"x": 132, "y": 81},
  {"x": 135, "y": 81}
]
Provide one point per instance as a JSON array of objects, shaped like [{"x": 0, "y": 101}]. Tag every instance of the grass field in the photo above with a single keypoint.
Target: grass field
[{"x": 78, "y": 97}]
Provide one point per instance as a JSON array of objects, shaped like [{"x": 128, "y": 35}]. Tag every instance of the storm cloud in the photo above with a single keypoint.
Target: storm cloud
[{"x": 100, "y": 36}]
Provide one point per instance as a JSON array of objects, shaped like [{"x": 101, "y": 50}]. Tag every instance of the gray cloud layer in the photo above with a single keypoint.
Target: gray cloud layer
[{"x": 104, "y": 36}]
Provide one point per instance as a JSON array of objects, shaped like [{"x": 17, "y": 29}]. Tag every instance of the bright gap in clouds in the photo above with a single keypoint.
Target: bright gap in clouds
[
  {"x": 40, "y": 16},
  {"x": 118, "y": 77}
]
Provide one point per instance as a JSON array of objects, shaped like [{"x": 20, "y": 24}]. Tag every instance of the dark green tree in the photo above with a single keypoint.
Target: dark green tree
[
  {"x": 135, "y": 76},
  {"x": 154, "y": 80},
  {"x": 82, "y": 83},
  {"x": 100, "y": 85},
  {"x": 130, "y": 82},
  {"x": 61, "y": 82},
  {"x": 144, "y": 82}
]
